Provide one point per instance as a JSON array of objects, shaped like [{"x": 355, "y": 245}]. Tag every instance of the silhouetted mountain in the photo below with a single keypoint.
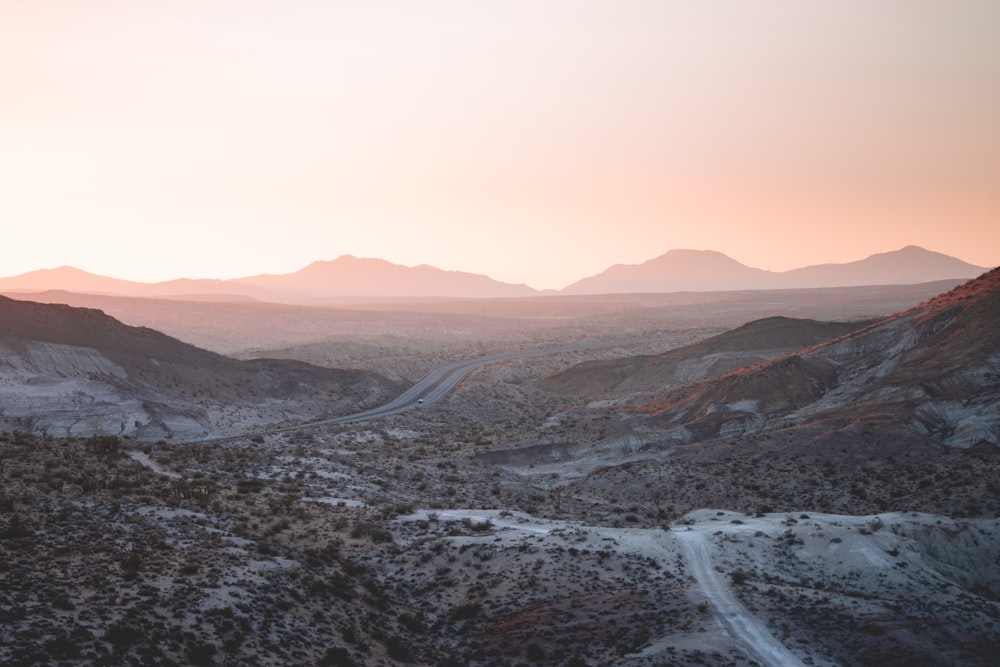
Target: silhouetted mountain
[
  {"x": 706, "y": 270},
  {"x": 932, "y": 372},
  {"x": 346, "y": 277},
  {"x": 71, "y": 279},
  {"x": 349, "y": 276},
  {"x": 676, "y": 271},
  {"x": 77, "y": 371},
  {"x": 908, "y": 265}
]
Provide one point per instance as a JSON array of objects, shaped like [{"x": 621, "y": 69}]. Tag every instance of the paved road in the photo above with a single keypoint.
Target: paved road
[
  {"x": 433, "y": 387},
  {"x": 743, "y": 625},
  {"x": 439, "y": 382}
]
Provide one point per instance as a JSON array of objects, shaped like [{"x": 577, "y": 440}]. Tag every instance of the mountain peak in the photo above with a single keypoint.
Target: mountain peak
[
  {"x": 908, "y": 265},
  {"x": 697, "y": 258},
  {"x": 681, "y": 270},
  {"x": 350, "y": 276},
  {"x": 709, "y": 270}
]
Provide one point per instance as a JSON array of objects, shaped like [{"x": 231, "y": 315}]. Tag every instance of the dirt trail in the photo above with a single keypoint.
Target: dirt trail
[
  {"x": 740, "y": 623},
  {"x": 144, "y": 460}
]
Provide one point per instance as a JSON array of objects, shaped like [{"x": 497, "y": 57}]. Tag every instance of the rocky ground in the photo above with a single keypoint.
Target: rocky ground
[
  {"x": 399, "y": 542},
  {"x": 505, "y": 525}
]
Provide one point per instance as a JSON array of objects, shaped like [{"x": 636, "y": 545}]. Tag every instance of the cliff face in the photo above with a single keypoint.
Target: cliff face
[{"x": 70, "y": 390}]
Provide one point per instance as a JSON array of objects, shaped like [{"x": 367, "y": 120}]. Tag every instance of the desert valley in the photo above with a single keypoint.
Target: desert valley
[
  {"x": 500, "y": 334},
  {"x": 676, "y": 463}
]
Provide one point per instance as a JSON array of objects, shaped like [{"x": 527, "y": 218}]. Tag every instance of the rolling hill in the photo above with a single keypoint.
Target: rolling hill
[
  {"x": 750, "y": 343},
  {"x": 932, "y": 372},
  {"x": 77, "y": 371}
]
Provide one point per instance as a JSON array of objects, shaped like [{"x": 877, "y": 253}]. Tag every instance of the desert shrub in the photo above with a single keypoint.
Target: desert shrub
[
  {"x": 22, "y": 439},
  {"x": 131, "y": 565},
  {"x": 62, "y": 648},
  {"x": 337, "y": 656},
  {"x": 267, "y": 549},
  {"x": 372, "y": 531},
  {"x": 876, "y": 524},
  {"x": 397, "y": 649},
  {"x": 249, "y": 485},
  {"x": 466, "y": 611},
  {"x": 107, "y": 446},
  {"x": 201, "y": 653},
  {"x": 481, "y": 526},
  {"x": 534, "y": 653},
  {"x": 738, "y": 577},
  {"x": 62, "y": 601},
  {"x": 122, "y": 635},
  {"x": 410, "y": 623}
]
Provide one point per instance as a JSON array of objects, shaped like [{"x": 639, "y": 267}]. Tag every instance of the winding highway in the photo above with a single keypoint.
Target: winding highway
[
  {"x": 439, "y": 382},
  {"x": 431, "y": 388}
]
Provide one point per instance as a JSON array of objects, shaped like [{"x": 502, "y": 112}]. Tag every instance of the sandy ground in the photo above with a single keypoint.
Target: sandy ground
[
  {"x": 878, "y": 556},
  {"x": 143, "y": 459}
]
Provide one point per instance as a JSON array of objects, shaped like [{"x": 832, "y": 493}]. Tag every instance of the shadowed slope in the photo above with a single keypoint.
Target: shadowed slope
[
  {"x": 79, "y": 371},
  {"x": 752, "y": 342},
  {"x": 934, "y": 368}
]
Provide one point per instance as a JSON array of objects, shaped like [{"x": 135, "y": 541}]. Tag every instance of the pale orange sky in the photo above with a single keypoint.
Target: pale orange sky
[{"x": 533, "y": 141}]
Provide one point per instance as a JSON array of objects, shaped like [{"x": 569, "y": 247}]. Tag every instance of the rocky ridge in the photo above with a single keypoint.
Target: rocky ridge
[
  {"x": 934, "y": 368},
  {"x": 753, "y": 342}
]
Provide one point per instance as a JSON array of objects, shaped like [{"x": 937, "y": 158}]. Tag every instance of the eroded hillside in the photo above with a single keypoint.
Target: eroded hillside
[
  {"x": 935, "y": 369},
  {"x": 508, "y": 525},
  {"x": 76, "y": 371}
]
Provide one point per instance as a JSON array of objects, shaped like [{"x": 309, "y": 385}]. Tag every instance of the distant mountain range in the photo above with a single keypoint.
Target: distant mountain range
[
  {"x": 350, "y": 278},
  {"x": 344, "y": 278},
  {"x": 707, "y": 270}
]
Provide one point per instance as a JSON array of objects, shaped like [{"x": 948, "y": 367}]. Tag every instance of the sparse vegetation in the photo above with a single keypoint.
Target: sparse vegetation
[{"x": 506, "y": 525}]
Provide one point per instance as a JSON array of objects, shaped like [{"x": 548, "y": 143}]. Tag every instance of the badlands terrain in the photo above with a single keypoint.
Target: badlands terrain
[{"x": 784, "y": 477}]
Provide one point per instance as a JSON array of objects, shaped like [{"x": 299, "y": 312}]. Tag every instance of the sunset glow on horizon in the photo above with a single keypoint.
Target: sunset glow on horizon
[{"x": 535, "y": 142}]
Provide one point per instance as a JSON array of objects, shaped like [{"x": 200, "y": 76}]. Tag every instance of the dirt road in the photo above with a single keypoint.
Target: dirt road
[{"x": 740, "y": 623}]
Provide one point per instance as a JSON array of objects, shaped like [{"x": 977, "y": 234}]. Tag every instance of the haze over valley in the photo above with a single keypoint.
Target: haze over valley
[
  {"x": 351, "y": 279},
  {"x": 763, "y": 476},
  {"x": 499, "y": 334}
]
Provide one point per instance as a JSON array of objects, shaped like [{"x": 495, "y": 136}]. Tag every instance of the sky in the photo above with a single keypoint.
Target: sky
[{"x": 536, "y": 141}]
